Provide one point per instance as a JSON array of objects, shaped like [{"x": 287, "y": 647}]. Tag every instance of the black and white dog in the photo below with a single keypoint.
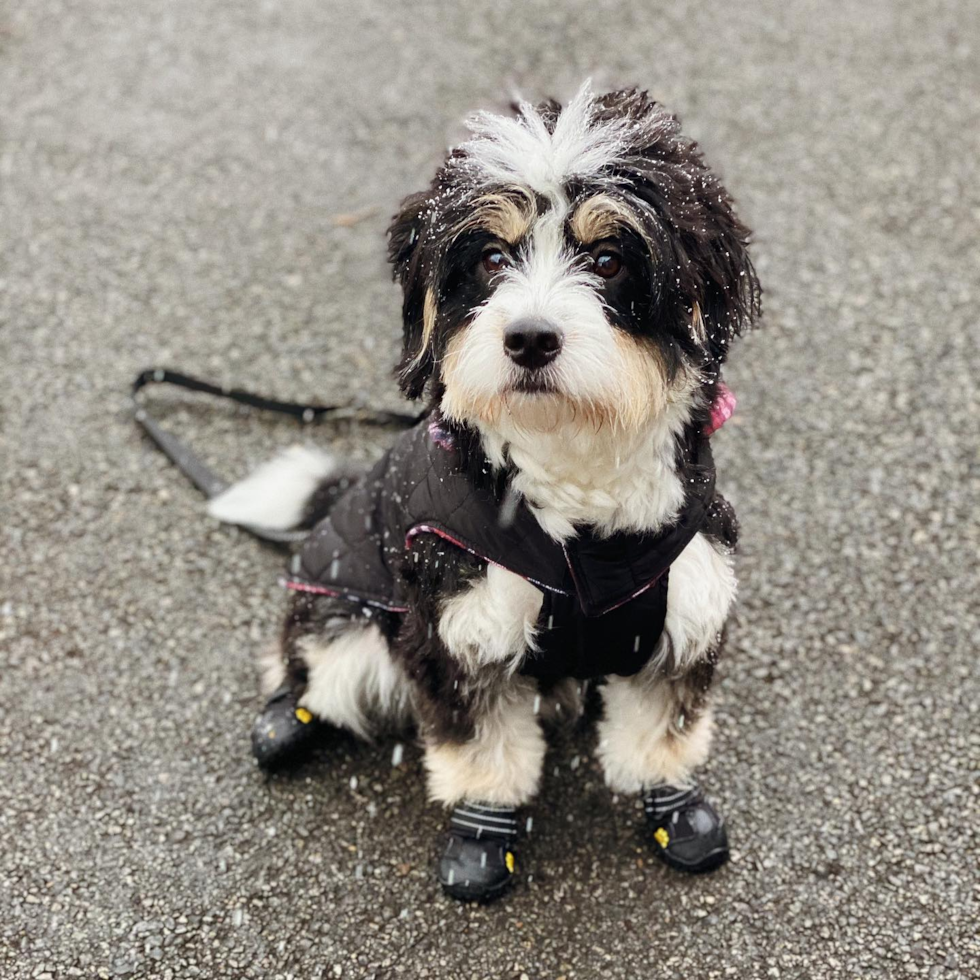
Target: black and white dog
[{"x": 572, "y": 278}]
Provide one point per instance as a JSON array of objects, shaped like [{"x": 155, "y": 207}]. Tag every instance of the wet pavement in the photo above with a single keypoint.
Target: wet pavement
[{"x": 206, "y": 185}]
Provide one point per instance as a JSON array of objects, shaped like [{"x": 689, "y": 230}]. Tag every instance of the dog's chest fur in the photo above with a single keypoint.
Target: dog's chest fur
[{"x": 609, "y": 479}]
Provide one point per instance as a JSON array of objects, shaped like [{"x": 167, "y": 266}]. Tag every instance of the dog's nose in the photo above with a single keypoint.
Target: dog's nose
[{"x": 532, "y": 342}]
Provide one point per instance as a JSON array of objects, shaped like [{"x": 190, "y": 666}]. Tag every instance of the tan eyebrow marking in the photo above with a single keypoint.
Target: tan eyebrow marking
[
  {"x": 507, "y": 213},
  {"x": 601, "y": 216}
]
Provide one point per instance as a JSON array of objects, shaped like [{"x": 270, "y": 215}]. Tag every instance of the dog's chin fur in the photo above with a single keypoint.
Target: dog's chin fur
[
  {"x": 587, "y": 464},
  {"x": 633, "y": 398}
]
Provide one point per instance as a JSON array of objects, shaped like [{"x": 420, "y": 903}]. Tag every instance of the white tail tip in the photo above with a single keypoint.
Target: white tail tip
[{"x": 276, "y": 494}]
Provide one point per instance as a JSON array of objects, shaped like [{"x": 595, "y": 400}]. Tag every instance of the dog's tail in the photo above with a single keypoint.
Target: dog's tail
[{"x": 291, "y": 492}]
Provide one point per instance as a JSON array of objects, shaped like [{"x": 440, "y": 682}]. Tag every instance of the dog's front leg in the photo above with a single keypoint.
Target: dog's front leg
[
  {"x": 484, "y": 748},
  {"x": 656, "y": 725},
  {"x": 655, "y": 731},
  {"x": 500, "y": 763},
  {"x": 486, "y": 778}
]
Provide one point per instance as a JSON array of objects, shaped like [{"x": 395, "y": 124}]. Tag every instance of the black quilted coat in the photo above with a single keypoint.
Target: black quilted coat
[{"x": 605, "y": 599}]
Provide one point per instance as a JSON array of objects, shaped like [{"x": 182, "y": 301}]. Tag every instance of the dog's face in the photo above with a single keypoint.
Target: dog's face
[{"x": 577, "y": 262}]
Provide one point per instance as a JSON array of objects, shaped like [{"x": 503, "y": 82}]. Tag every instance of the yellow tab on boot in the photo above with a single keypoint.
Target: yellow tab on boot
[
  {"x": 509, "y": 861},
  {"x": 304, "y": 716},
  {"x": 661, "y": 837}
]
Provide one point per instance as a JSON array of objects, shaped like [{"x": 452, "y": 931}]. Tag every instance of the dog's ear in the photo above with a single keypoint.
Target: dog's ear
[
  {"x": 403, "y": 234},
  {"x": 709, "y": 279},
  {"x": 406, "y": 249},
  {"x": 718, "y": 282}
]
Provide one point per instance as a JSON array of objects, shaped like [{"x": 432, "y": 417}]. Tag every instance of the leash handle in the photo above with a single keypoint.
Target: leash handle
[{"x": 205, "y": 479}]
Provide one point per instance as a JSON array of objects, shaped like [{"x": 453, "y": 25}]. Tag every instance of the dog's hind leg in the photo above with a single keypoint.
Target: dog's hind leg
[
  {"x": 353, "y": 683},
  {"x": 332, "y": 667}
]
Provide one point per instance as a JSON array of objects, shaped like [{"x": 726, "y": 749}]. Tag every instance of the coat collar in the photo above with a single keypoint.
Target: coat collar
[{"x": 602, "y": 572}]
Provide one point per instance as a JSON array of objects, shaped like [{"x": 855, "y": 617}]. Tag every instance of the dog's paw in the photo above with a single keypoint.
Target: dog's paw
[
  {"x": 283, "y": 734},
  {"x": 479, "y": 862},
  {"x": 688, "y": 832}
]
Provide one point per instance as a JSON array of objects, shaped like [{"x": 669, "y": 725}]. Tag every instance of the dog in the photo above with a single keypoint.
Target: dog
[{"x": 573, "y": 279}]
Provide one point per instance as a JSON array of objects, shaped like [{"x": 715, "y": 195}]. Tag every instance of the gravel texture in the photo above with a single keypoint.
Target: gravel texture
[{"x": 206, "y": 183}]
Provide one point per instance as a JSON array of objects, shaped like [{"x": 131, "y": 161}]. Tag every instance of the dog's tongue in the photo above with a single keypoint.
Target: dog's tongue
[{"x": 722, "y": 409}]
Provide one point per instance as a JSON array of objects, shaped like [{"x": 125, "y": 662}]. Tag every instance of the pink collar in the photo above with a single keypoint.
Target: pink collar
[{"x": 722, "y": 409}]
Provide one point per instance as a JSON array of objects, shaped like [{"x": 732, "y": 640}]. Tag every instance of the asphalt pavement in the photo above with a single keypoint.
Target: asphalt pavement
[{"x": 206, "y": 184}]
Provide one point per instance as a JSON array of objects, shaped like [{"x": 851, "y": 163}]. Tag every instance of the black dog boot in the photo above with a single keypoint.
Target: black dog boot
[
  {"x": 284, "y": 732},
  {"x": 478, "y": 862},
  {"x": 688, "y": 831}
]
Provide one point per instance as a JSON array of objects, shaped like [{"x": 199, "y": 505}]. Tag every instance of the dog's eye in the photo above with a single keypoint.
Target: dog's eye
[
  {"x": 607, "y": 264},
  {"x": 494, "y": 260}
]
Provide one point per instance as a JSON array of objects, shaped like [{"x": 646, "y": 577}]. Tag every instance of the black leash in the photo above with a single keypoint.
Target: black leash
[{"x": 205, "y": 479}]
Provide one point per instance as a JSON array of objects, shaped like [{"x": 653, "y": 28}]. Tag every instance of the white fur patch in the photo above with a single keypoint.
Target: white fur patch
[
  {"x": 353, "y": 682},
  {"x": 521, "y": 150},
  {"x": 275, "y": 495},
  {"x": 700, "y": 594},
  {"x": 640, "y": 741},
  {"x": 272, "y": 670},
  {"x": 500, "y": 764},
  {"x": 492, "y": 620}
]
